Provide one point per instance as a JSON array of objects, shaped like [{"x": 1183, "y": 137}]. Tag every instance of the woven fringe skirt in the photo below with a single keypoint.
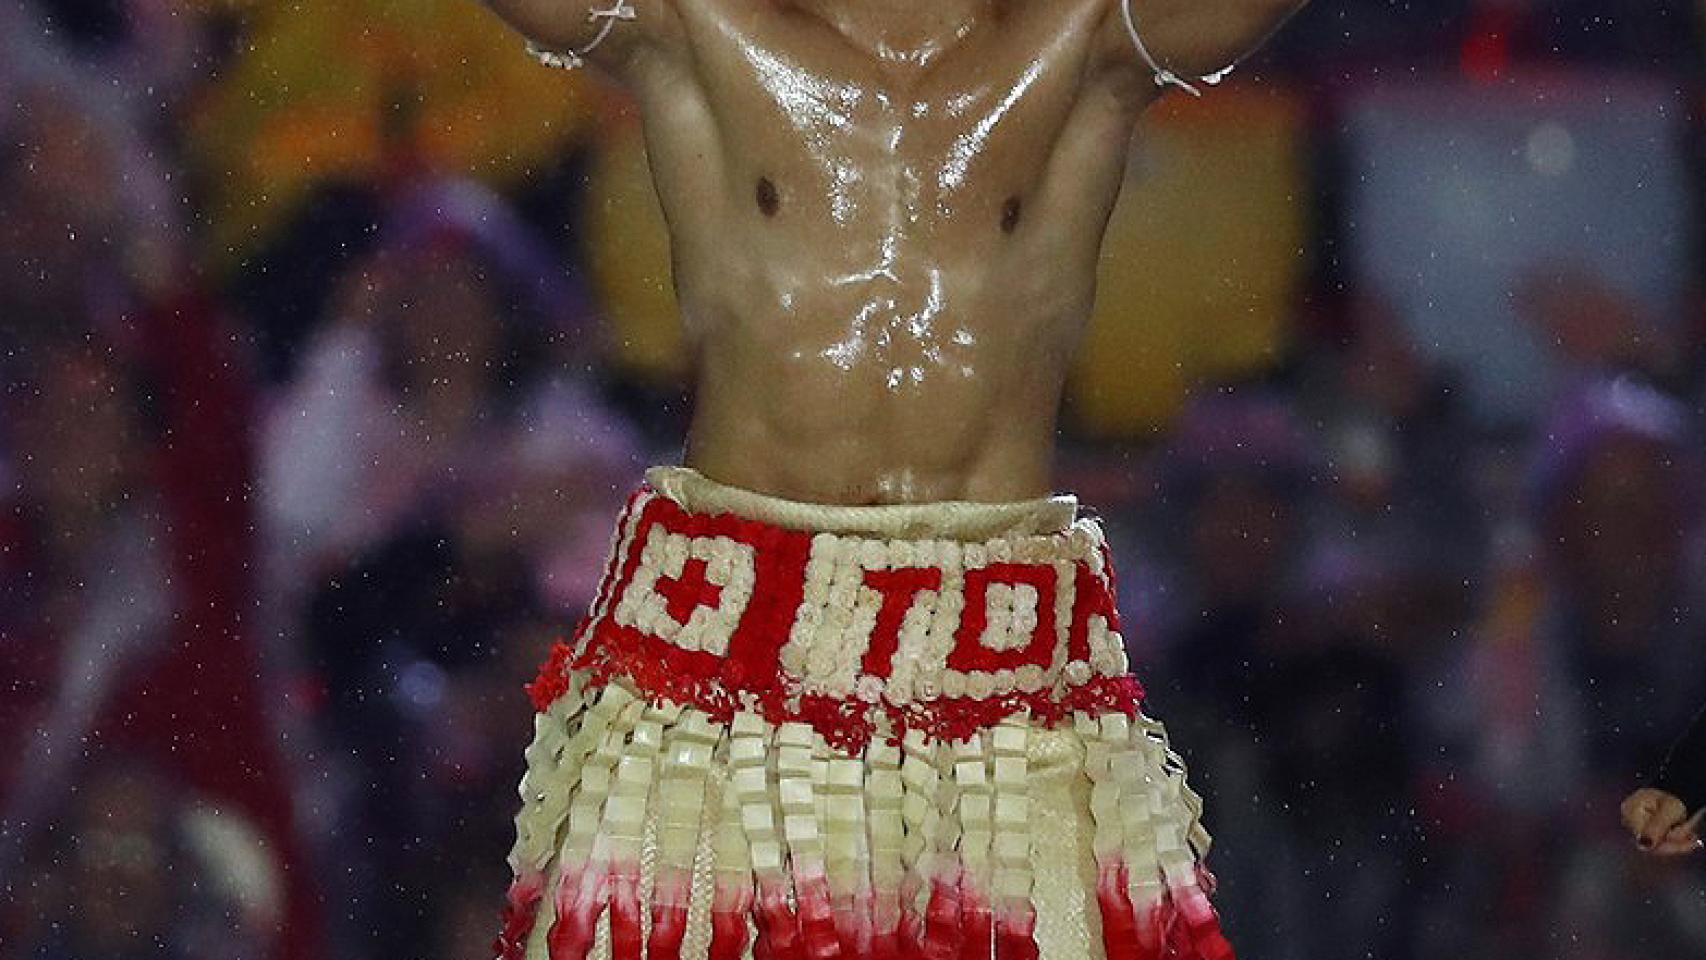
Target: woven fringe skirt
[{"x": 787, "y": 730}]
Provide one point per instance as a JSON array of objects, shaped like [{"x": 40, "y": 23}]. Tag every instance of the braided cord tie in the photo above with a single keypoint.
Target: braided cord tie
[
  {"x": 1163, "y": 76},
  {"x": 575, "y": 59}
]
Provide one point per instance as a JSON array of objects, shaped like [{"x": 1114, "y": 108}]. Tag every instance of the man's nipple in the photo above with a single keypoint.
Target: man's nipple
[{"x": 1010, "y": 212}]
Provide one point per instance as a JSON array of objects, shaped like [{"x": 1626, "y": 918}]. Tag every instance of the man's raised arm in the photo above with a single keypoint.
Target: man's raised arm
[
  {"x": 604, "y": 32},
  {"x": 1182, "y": 41}
]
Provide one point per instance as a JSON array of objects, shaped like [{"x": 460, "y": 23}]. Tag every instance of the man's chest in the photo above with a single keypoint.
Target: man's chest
[{"x": 926, "y": 110}]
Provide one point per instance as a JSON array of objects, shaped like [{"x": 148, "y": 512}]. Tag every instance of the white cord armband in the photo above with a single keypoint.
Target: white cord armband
[
  {"x": 1163, "y": 76},
  {"x": 574, "y": 59}
]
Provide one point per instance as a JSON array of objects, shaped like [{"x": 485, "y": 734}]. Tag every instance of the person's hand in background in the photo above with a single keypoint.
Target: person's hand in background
[{"x": 1661, "y": 822}]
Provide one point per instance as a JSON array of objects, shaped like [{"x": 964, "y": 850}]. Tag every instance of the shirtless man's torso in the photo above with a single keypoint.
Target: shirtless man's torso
[
  {"x": 886, "y": 217},
  {"x": 852, "y": 686}
]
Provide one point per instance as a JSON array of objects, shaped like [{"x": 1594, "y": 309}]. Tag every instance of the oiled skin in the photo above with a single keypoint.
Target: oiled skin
[{"x": 886, "y": 218}]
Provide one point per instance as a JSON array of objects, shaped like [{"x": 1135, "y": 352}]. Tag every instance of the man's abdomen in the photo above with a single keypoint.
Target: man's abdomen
[{"x": 881, "y": 402}]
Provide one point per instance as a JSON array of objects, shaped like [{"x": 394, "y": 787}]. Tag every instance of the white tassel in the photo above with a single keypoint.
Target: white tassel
[
  {"x": 847, "y": 847},
  {"x": 680, "y": 816},
  {"x": 1015, "y": 915},
  {"x": 554, "y": 757},
  {"x": 580, "y": 884},
  {"x": 884, "y": 796},
  {"x": 796, "y": 779},
  {"x": 976, "y": 809}
]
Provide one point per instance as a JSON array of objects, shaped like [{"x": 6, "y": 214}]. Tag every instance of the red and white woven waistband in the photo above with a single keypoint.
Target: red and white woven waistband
[{"x": 858, "y": 636}]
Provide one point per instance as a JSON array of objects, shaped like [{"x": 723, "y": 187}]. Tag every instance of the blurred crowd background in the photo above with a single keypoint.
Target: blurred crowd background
[{"x": 333, "y": 332}]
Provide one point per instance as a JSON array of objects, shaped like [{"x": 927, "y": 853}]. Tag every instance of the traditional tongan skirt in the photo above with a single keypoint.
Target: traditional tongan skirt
[{"x": 790, "y": 730}]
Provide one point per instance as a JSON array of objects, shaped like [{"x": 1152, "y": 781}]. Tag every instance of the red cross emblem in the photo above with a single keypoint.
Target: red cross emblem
[{"x": 689, "y": 592}]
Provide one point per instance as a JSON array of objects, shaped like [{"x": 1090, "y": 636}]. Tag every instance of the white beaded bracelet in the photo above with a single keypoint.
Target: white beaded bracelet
[
  {"x": 1163, "y": 76},
  {"x": 574, "y": 59}
]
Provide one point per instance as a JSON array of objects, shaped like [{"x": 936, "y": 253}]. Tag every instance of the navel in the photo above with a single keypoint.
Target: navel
[
  {"x": 768, "y": 201},
  {"x": 1010, "y": 212}
]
